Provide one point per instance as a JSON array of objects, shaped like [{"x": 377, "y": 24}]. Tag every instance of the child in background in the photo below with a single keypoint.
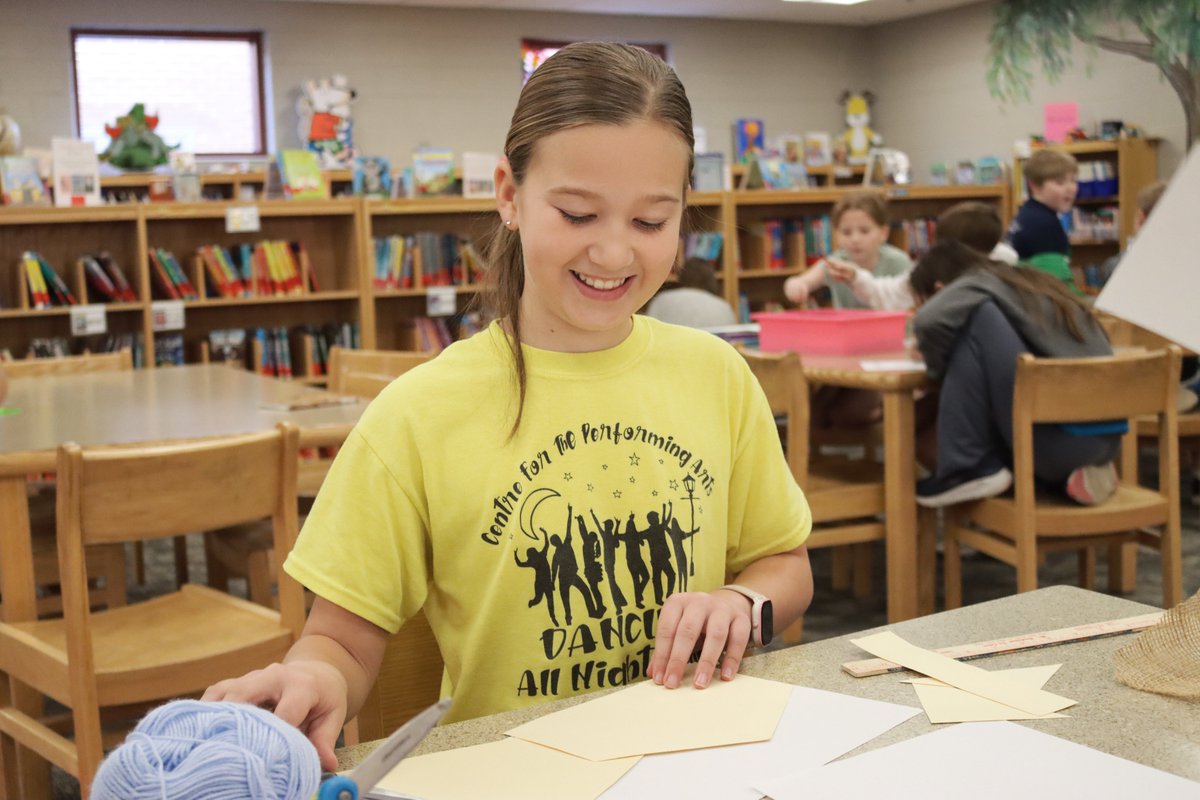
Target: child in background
[
  {"x": 1036, "y": 232},
  {"x": 1146, "y": 200},
  {"x": 860, "y": 223},
  {"x": 694, "y": 301},
  {"x": 484, "y": 486},
  {"x": 977, "y": 225},
  {"x": 976, "y": 317}
]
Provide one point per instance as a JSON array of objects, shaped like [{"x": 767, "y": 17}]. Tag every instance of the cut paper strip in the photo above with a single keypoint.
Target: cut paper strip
[
  {"x": 944, "y": 703},
  {"x": 893, "y": 365},
  {"x": 964, "y": 676},
  {"x": 816, "y": 727},
  {"x": 647, "y": 718},
  {"x": 984, "y": 761},
  {"x": 510, "y": 769}
]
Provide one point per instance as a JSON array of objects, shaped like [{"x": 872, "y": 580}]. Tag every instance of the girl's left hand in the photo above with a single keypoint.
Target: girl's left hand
[
  {"x": 713, "y": 621},
  {"x": 841, "y": 270}
]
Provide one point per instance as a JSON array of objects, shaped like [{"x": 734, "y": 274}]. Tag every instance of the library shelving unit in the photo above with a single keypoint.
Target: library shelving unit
[
  {"x": 746, "y": 255},
  {"x": 1133, "y": 161},
  {"x": 338, "y": 235},
  {"x": 222, "y": 185}
]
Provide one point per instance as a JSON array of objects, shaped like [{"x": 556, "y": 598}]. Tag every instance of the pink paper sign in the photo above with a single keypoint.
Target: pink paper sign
[{"x": 1057, "y": 119}]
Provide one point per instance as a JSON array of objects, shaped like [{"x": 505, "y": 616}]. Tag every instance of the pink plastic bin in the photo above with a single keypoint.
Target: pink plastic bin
[{"x": 831, "y": 331}]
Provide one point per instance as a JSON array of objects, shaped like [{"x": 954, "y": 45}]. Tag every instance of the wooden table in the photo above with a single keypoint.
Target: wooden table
[
  {"x": 1160, "y": 732},
  {"x": 134, "y": 407},
  {"x": 897, "y": 385}
]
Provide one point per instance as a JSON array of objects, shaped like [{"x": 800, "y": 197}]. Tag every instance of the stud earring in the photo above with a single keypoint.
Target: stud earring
[{"x": 507, "y": 222}]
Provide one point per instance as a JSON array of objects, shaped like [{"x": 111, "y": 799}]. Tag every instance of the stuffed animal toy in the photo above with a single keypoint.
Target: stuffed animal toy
[
  {"x": 325, "y": 126},
  {"x": 858, "y": 137},
  {"x": 10, "y": 135},
  {"x": 134, "y": 143}
]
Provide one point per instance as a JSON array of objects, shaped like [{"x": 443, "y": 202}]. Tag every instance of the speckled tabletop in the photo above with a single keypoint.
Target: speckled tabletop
[{"x": 1160, "y": 732}]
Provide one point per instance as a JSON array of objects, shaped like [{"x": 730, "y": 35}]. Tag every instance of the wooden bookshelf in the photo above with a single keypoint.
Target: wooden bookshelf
[
  {"x": 227, "y": 185},
  {"x": 338, "y": 235}
]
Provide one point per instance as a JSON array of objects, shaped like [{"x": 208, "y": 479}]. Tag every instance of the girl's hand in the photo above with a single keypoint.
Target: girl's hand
[
  {"x": 713, "y": 621},
  {"x": 841, "y": 270},
  {"x": 795, "y": 289},
  {"x": 308, "y": 694}
]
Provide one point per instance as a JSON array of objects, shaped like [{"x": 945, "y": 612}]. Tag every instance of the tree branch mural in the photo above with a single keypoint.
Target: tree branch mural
[{"x": 1030, "y": 33}]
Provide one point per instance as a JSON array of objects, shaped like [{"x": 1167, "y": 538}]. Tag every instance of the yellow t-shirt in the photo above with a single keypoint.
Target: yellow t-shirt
[{"x": 542, "y": 560}]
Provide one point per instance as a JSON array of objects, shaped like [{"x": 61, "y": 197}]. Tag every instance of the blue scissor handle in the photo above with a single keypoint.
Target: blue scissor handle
[{"x": 339, "y": 787}]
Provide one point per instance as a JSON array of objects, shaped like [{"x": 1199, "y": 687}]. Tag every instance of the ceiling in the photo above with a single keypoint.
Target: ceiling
[{"x": 867, "y": 13}]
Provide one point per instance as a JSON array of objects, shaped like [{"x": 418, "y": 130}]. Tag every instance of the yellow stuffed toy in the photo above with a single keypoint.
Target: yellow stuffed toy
[{"x": 858, "y": 137}]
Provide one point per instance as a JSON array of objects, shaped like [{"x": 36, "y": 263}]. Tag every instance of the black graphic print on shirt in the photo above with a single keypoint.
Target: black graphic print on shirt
[{"x": 602, "y": 527}]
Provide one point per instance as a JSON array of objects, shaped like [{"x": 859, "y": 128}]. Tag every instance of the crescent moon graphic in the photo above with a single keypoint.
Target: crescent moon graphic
[{"x": 529, "y": 508}]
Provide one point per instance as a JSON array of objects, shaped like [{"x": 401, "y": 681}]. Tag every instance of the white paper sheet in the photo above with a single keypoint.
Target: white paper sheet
[
  {"x": 1157, "y": 281},
  {"x": 816, "y": 727},
  {"x": 983, "y": 761}
]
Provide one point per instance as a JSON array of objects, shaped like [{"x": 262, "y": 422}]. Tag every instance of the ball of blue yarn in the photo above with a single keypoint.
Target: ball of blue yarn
[{"x": 217, "y": 751}]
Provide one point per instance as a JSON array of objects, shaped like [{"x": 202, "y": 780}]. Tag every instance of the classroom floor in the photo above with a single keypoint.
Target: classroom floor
[{"x": 832, "y": 613}]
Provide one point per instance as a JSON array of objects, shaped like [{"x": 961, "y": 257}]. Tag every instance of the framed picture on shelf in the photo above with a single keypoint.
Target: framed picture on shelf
[
  {"x": 818, "y": 149},
  {"x": 887, "y": 167}
]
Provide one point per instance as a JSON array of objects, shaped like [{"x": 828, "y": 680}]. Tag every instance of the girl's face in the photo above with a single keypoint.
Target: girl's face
[
  {"x": 861, "y": 237},
  {"x": 598, "y": 215}
]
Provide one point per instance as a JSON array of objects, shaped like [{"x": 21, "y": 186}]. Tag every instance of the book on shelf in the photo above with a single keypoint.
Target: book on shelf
[
  {"x": 116, "y": 275},
  {"x": 433, "y": 172},
  {"x": 76, "y": 171},
  {"x": 372, "y": 177},
  {"x": 818, "y": 149},
  {"x": 989, "y": 170},
  {"x": 772, "y": 172},
  {"x": 300, "y": 173},
  {"x": 21, "y": 183},
  {"x": 185, "y": 177},
  {"x": 223, "y": 277},
  {"x": 227, "y": 346},
  {"x": 708, "y": 172},
  {"x": 168, "y": 349},
  {"x": 479, "y": 174},
  {"x": 747, "y": 139},
  {"x": 169, "y": 276}
]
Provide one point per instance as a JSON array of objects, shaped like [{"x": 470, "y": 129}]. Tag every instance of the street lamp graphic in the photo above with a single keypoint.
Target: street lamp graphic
[{"x": 689, "y": 483}]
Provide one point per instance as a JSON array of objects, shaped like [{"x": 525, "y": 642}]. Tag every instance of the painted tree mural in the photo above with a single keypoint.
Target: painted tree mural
[{"x": 1031, "y": 33}]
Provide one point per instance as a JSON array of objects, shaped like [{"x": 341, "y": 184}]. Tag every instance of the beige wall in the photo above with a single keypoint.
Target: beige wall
[
  {"x": 451, "y": 77},
  {"x": 438, "y": 77},
  {"x": 930, "y": 74}
]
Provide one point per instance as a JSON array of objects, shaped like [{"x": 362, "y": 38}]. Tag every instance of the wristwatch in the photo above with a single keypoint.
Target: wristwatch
[{"x": 762, "y": 627}]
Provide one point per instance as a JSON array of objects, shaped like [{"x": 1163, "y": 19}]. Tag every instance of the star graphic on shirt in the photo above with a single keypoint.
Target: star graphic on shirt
[
  {"x": 654, "y": 493},
  {"x": 634, "y": 460},
  {"x": 674, "y": 485},
  {"x": 604, "y": 466},
  {"x": 567, "y": 476},
  {"x": 617, "y": 493},
  {"x": 661, "y": 461},
  {"x": 591, "y": 488},
  {"x": 632, "y": 479}
]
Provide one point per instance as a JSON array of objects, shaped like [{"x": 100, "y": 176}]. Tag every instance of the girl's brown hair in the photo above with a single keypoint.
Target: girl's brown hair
[
  {"x": 586, "y": 83},
  {"x": 868, "y": 201},
  {"x": 949, "y": 260}
]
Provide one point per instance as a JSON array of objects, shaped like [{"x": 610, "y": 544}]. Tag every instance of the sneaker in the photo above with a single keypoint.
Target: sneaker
[
  {"x": 1092, "y": 484},
  {"x": 1188, "y": 399},
  {"x": 937, "y": 492}
]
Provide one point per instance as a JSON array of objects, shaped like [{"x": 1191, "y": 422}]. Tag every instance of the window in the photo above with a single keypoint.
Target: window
[
  {"x": 535, "y": 51},
  {"x": 206, "y": 89}
]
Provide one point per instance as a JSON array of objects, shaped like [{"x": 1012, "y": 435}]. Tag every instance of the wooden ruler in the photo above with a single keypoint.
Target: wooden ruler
[{"x": 1028, "y": 641}]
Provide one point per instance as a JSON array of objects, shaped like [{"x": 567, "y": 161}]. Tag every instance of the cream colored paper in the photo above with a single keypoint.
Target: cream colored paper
[
  {"x": 1157, "y": 281},
  {"x": 964, "y": 676},
  {"x": 510, "y": 769},
  {"x": 944, "y": 703},
  {"x": 647, "y": 718}
]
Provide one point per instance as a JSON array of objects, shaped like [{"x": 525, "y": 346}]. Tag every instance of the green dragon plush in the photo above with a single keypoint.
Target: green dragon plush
[{"x": 134, "y": 143}]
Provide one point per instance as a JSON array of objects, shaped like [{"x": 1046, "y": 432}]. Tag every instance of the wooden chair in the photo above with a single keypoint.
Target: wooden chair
[
  {"x": 88, "y": 362},
  {"x": 1018, "y": 529},
  {"x": 244, "y": 551},
  {"x": 173, "y": 645},
  {"x": 410, "y": 679},
  {"x": 846, "y": 497},
  {"x": 106, "y": 563}
]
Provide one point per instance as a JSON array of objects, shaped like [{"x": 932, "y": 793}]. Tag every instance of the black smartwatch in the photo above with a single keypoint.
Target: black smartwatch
[{"x": 762, "y": 627}]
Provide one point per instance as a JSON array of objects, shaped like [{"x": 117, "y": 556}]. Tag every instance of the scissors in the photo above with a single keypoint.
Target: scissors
[{"x": 363, "y": 778}]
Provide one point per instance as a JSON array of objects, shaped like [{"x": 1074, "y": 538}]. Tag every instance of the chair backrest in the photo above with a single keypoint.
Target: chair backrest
[
  {"x": 782, "y": 380},
  {"x": 1092, "y": 389},
  {"x": 364, "y": 384},
  {"x": 374, "y": 362},
  {"x": 119, "y": 494},
  {"x": 409, "y": 680},
  {"x": 88, "y": 362}
]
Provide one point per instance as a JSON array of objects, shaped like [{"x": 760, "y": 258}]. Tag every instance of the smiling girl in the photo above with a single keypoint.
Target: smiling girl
[{"x": 564, "y": 493}]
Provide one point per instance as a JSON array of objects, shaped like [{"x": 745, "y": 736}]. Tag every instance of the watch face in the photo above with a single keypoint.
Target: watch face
[{"x": 767, "y": 623}]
